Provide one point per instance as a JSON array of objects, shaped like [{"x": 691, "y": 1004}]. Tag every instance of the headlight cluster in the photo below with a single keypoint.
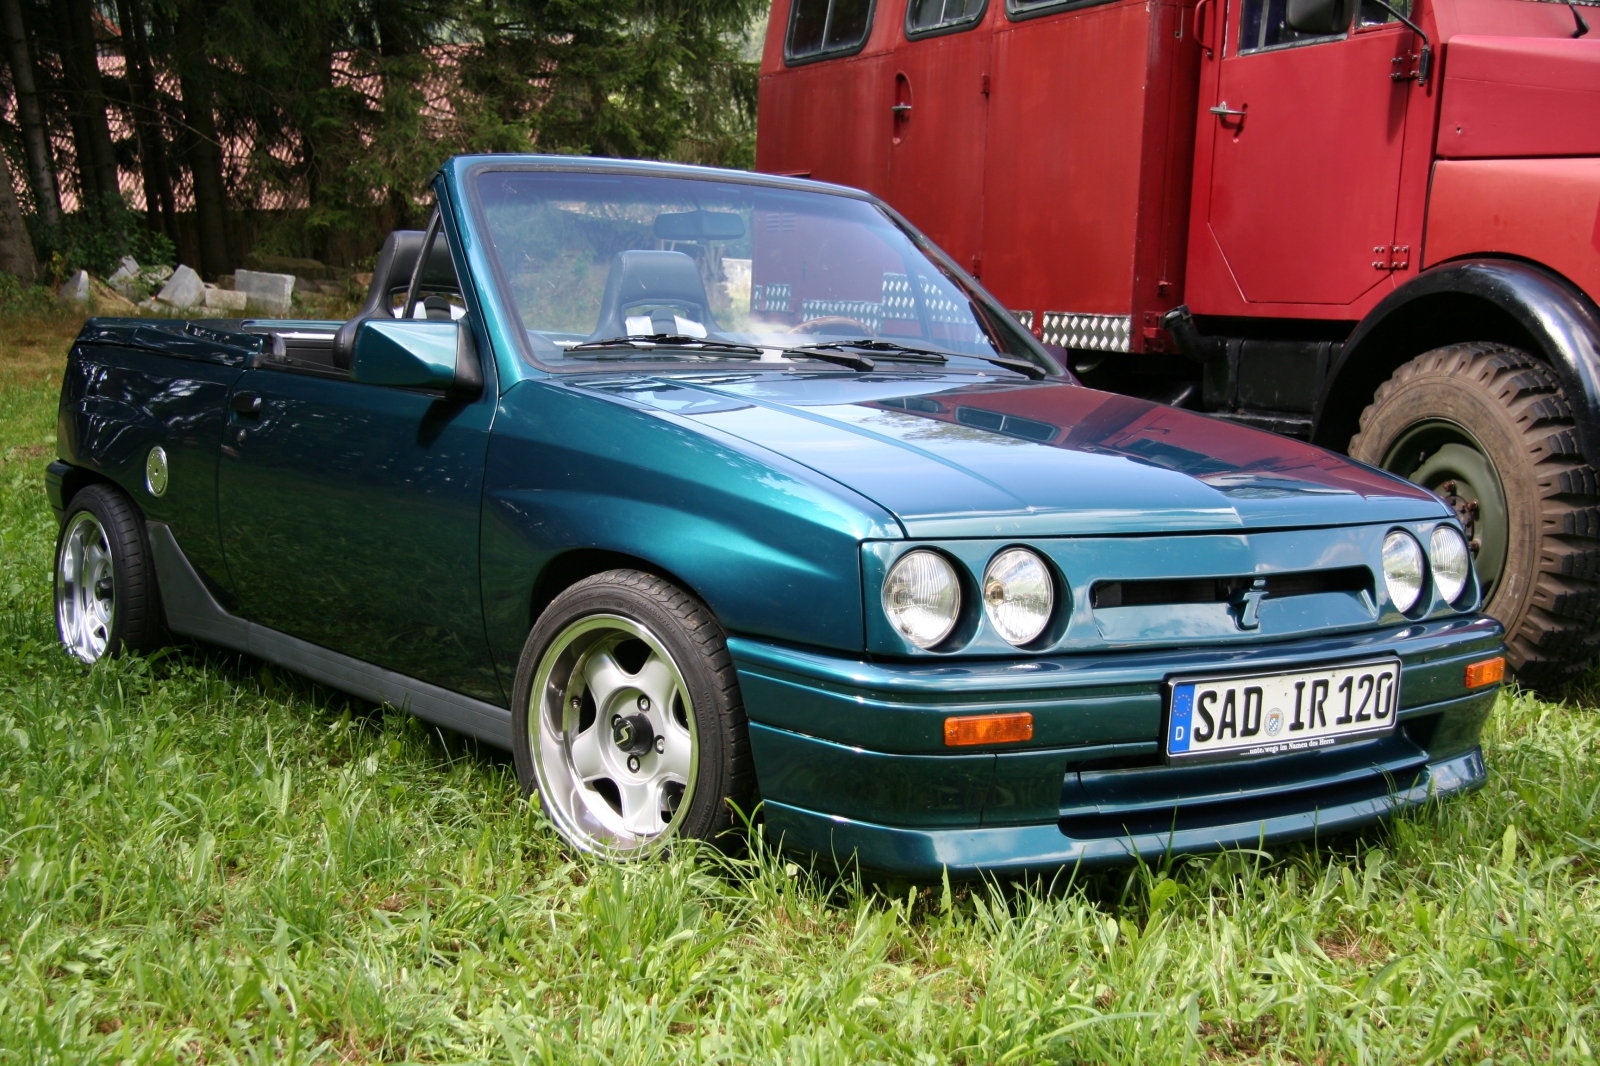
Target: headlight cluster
[
  {"x": 922, "y": 596},
  {"x": 1452, "y": 562},
  {"x": 1018, "y": 595},
  {"x": 1405, "y": 570}
]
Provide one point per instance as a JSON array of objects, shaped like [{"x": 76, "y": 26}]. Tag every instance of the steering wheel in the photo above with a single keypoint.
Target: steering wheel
[{"x": 835, "y": 324}]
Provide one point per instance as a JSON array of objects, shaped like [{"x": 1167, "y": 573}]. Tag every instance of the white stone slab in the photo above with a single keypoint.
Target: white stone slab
[
  {"x": 224, "y": 300},
  {"x": 126, "y": 276},
  {"x": 268, "y": 293},
  {"x": 184, "y": 289},
  {"x": 76, "y": 290}
]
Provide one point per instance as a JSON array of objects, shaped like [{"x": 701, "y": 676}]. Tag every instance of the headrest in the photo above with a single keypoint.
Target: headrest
[
  {"x": 396, "y": 261},
  {"x": 640, "y": 276}
]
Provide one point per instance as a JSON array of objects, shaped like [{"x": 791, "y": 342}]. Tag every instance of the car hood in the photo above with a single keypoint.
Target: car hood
[{"x": 951, "y": 456}]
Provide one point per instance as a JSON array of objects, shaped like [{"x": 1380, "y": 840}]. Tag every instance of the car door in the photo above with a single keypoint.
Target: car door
[
  {"x": 1305, "y": 136},
  {"x": 350, "y": 514}
]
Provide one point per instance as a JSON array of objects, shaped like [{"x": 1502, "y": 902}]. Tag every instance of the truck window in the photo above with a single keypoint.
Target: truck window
[
  {"x": 1017, "y": 10},
  {"x": 1263, "y": 24},
  {"x": 822, "y": 28},
  {"x": 924, "y": 17},
  {"x": 1374, "y": 15}
]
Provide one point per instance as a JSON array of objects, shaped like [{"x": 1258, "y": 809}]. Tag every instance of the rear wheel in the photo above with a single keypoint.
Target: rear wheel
[
  {"x": 1486, "y": 427},
  {"x": 626, "y": 717},
  {"x": 105, "y": 585}
]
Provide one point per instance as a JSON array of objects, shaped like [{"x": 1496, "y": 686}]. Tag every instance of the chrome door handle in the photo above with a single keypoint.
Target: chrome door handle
[
  {"x": 900, "y": 109},
  {"x": 1224, "y": 109}
]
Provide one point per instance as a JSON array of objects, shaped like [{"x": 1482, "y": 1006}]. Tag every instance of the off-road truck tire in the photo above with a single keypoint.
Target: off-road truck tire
[{"x": 1424, "y": 422}]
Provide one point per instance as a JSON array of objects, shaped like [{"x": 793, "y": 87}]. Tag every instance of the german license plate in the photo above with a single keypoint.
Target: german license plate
[{"x": 1269, "y": 714}]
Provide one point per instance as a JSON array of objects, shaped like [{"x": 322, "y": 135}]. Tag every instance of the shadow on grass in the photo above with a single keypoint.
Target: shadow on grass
[{"x": 1136, "y": 890}]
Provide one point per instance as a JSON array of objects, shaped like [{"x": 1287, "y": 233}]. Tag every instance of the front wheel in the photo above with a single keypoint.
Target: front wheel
[
  {"x": 626, "y": 717},
  {"x": 1486, "y": 427}
]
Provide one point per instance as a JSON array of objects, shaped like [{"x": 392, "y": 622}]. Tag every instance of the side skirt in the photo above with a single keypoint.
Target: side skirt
[{"x": 193, "y": 612}]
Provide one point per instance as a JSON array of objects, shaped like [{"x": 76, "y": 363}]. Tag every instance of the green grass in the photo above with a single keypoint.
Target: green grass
[{"x": 203, "y": 859}]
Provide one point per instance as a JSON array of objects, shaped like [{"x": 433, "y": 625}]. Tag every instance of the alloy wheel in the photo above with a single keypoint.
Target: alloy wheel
[
  {"x": 85, "y": 588},
  {"x": 612, "y": 733}
]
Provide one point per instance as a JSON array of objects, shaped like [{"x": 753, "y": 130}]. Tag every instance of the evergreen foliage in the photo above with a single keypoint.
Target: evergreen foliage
[
  {"x": 311, "y": 127},
  {"x": 97, "y": 240}
]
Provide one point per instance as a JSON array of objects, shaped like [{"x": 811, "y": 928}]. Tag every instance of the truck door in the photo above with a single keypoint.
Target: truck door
[
  {"x": 938, "y": 124},
  {"x": 1304, "y": 136}
]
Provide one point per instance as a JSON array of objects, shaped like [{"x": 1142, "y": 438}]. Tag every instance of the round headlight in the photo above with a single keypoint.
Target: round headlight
[
  {"x": 1402, "y": 569},
  {"x": 1018, "y": 595},
  {"x": 1451, "y": 561},
  {"x": 922, "y": 597}
]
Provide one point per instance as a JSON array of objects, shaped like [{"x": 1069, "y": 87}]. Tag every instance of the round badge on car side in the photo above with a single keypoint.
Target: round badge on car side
[{"x": 155, "y": 471}]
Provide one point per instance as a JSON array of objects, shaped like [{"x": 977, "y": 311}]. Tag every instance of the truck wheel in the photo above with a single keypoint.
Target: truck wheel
[
  {"x": 1486, "y": 427},
  {"x": 626, "y": 717},
  {"x": 105, "y": 583}
]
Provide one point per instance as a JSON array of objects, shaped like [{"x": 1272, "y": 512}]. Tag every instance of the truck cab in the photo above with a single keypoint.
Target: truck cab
[{"x": 1374, "y": 225}]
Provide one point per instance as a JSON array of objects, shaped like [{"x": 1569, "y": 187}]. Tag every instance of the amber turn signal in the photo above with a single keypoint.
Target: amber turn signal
[
  {"x": 1478, "y": 675},
  {"x": 988, "y": 729}
]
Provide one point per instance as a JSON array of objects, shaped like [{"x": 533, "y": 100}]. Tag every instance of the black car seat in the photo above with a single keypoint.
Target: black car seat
[
  {"x": 667, "y": 282},
  {"x": 397, "y": 260}
]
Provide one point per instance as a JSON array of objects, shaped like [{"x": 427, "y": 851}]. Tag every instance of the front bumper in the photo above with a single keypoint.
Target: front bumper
[{"x": 851, "y": 760}]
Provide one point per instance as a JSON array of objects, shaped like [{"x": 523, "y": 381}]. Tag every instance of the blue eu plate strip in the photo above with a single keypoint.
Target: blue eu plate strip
[{"x": 1182, "y": 709}]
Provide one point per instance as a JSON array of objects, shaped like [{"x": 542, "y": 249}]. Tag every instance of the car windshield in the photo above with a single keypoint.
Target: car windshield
[{"x": 605, "y": 266}]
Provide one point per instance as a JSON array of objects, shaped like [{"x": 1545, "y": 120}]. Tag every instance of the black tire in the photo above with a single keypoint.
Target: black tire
[
  {"x": 129, "y": 617},
  {"x": 1509, "y": 405},
  {"x": 723, "y": 779}
]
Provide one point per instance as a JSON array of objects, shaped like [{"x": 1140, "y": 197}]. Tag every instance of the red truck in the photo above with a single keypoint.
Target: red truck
[{"x": 1375, "y": 227}]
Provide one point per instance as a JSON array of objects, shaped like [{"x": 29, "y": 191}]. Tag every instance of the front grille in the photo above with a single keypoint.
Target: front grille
[{"x": 1167, "y": 591}]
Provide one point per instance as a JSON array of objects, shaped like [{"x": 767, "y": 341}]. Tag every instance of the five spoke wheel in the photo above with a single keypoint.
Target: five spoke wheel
[
  {"x": 626, "y": 718},
  {"x": 85, "y": 587},
  {"x": 106, "y": 597},
  {"x": 612, "y": 733}
]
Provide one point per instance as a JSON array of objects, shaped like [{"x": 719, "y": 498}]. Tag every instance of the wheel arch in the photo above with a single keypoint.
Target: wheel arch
[
  {"x": 63, "y": 481},
  {"x": 568, "y": 568},
  {"x": 1501, "y": 300}
]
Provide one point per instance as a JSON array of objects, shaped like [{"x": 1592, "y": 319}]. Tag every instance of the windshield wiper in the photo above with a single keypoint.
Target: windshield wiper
[
  {"x": 840, "y": 353},
  {"x": 663, "y": 340},
  {"x": 903, "y": 353},
  {"x": 829, "y": 353}
]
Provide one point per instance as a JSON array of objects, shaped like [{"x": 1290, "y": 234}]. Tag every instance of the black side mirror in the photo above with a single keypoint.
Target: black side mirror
[{"x": 1321, "y": 17}]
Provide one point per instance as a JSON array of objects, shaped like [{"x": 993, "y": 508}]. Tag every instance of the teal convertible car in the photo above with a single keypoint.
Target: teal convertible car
[{"x": 708, "y": 492}]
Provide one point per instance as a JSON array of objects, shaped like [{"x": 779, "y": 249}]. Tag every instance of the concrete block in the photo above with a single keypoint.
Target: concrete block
[
  {"x": 126, "y": 278},
  {"x": 108, "y": 301},
  {"x": 225, "y": 300},
  {"x": 183, "y": 290},
  {"x": 288, "y": 264},
  {"x": 264, "y": 292},
  {"x": 76, "y": 290}
]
